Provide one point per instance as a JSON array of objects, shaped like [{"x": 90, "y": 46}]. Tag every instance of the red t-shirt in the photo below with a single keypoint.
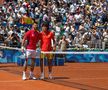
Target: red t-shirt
[
  {"x": 32, "y": 37},
  {"x": 46, "y": 40}
]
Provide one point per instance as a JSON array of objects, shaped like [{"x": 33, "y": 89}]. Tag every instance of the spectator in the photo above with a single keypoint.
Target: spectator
[
  {"x": 105, "y": 39},
  {"x": 70, "y": 41},
  {"x": 63, "y": 43},
  {"x": 77, "y": 40},
  {"x": 64, "y": 16}
]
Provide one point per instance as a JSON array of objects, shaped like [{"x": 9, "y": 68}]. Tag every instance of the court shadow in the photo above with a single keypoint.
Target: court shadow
[
  {"x": 61, "y": 77},
  {"x": 5, "y": 66},
  {"x": 57, "y": 78}
]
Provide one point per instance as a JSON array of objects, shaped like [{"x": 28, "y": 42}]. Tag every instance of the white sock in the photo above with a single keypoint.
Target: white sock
[
  {"x": 31, "y": 73},
  {"x": 24, "y": 72},
  {"x": 49, "y": 72},
  {"x": 42, "y": 73}
]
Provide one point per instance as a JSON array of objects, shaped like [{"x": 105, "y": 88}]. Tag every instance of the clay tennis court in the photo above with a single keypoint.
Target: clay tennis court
[{"x": 71, "y": 76}]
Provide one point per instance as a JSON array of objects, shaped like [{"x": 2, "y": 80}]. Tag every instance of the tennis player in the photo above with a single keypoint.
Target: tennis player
[
  {"x": 46, "y": 38},
  {"x": 32, "y": 38}
]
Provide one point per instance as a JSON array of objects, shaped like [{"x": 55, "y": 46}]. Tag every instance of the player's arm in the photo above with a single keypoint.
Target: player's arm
[
  {"x": 54, "y": 42},
  {"x": 40, "y": 39},
  {"x": 23, "y": 43},
  {"x": 59, "y": 44},
  {"x": 25, "y": 38}
]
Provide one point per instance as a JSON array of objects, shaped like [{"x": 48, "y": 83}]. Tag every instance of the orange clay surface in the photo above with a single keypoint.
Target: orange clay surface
[{"x": 71, "y": 76}]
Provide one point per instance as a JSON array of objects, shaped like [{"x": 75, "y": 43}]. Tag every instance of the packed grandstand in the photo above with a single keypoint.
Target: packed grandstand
[{"x": 76, "y": 23}]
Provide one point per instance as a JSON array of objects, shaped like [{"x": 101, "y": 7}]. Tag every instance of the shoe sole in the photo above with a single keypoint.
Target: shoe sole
[
  {"x": 50, "y": 77},
  {"x": 41, "y": 78},
  {"x": 32, "y": 79},
  {"x": 24, "y": 79}
]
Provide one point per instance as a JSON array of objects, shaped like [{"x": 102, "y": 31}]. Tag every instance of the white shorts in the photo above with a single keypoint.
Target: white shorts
[{"x": 30, "y": 53}]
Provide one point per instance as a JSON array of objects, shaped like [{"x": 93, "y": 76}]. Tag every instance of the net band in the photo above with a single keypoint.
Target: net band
[
  {"x": 61, "y": 52},
  {"x": 11, "y": 48},
  {"x": 89, "y": 52}
]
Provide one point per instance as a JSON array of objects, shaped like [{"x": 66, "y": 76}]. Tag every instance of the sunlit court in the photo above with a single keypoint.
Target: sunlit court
[
  {"x": 71, "y": 74},
  {"x": 53, "y": 44}
]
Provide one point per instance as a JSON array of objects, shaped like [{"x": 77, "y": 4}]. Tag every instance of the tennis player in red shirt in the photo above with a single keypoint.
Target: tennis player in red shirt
[
  {"x": 32, "y": 38},
  {"x": 46, "y": 38}
]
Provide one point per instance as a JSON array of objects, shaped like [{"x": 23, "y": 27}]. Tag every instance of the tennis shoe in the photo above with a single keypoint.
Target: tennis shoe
[
  {"x": 32, "y": 77},
  {"x": 50, "y": 76},
  {"x": 42, "y": 76},
  {"x": 24, "y": 77}
]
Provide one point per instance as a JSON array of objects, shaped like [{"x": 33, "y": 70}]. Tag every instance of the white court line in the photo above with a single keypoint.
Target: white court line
[
  {"x": 89, "y": 78},
  {"x": 15, "y": 81},
  {"x": 90, "y": 69}
]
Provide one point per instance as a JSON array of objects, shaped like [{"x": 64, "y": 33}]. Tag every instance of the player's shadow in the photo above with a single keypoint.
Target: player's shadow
[
  {"x": 57, "y": 78},
  {"x": 5, "y": 66},
  {"x": 61, "y": 77}
]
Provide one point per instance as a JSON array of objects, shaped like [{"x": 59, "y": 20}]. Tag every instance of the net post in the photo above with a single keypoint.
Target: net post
[{"x": 43, "y": 67}]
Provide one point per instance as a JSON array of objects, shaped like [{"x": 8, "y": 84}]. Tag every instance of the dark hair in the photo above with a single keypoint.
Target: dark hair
[
  {"x": 35, "y": 22},
  {"x": 45, "y": 24}
]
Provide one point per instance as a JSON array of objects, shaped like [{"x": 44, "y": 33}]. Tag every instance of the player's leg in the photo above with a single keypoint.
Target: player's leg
[
  {"x": 32, "y": 64},
  {"x": 41, "y": 65},
  {"x": 50, "y": 68},
  {"x": 33, "y": 57},
  {"x": 27, "y": 55},
  {"x": 24, "y": 69},
  {"x": 50, "y": 58}
]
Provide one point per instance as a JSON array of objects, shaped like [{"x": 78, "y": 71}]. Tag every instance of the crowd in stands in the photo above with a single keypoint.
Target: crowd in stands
[{"x": 76, "y": 23}]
